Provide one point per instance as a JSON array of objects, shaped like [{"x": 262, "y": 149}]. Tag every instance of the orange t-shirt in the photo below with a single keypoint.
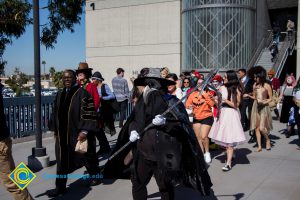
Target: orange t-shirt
[{"x": 202, "y": 104}]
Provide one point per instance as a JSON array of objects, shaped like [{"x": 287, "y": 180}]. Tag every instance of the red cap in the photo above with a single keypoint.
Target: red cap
[
  {"x": 197, "y": 74},
  {"x": 217, "y": 78}
]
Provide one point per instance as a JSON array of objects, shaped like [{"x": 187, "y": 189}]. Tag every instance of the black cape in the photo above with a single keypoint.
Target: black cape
[{"x": 195, "y": 174}]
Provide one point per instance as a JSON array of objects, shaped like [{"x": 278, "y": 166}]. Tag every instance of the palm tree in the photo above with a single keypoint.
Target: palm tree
[
  {"x": 57, "y": 79},
  {"x": 44, "y": 63},
  {"x": 52, "y": 71}
]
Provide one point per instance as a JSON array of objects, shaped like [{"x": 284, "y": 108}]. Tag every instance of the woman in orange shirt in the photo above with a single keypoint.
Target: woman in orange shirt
[{"x": 202, "y": 104}]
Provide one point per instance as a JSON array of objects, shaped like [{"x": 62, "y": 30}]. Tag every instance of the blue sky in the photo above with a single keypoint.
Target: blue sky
[{"x": 68, "y": 52}]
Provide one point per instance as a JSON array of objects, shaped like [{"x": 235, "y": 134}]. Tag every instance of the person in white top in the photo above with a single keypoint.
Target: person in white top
[{"x": 172, "y": 89}]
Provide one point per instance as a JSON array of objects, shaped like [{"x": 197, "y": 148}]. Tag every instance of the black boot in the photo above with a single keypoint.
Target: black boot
[
  {"x": 251, "y": 140},
  {"x": 288, "y": 132},
  {"x": 276, "y": 113},
  {"x": 252, "y": 137}
]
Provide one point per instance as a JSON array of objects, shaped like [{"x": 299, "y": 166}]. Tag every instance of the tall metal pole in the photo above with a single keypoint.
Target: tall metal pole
[{"x": 39, "y": 150}]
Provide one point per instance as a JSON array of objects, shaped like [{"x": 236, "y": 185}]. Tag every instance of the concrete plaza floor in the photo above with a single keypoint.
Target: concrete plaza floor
[{"x": 268, "y": 175}]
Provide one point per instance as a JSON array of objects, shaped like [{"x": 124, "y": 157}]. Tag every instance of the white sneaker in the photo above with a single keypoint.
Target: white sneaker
[
  {"x": 207, "y": 158},
  {"x": 226, "y": 168}
]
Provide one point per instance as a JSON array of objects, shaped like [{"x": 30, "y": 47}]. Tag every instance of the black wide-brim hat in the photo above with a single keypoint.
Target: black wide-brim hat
[
  {"x": 98, "y": 76},
  {"x": 154, "y": 73}
]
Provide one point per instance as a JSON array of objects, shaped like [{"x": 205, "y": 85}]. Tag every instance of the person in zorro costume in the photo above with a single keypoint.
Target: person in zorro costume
[
  {"x": 169, "y": 150},
  {"x": 84, "y": 73},
  {"x": 73, "y": 119}
]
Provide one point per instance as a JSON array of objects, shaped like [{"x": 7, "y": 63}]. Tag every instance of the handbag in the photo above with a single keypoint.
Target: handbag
[
  {"x": 112, "y": 103},
  {"x": 81, "y": 146},
  {"x": 275, "y": 100}
]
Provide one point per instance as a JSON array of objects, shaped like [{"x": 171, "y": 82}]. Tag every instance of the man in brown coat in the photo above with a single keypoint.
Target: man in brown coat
[{"x": 7, "y": 164}]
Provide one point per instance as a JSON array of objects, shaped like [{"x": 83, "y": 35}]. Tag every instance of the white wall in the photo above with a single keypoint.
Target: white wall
[{"x": 132, "y": 34}]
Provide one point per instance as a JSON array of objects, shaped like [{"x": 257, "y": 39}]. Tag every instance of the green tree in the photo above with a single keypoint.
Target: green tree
[
  {"x": 17, "y": 81},
  {"x": 63, "y": 15},
  {"x": 14, "y": 17},
  {"x": 51, "y": 71},
  {"x": 57, "y": 79}
]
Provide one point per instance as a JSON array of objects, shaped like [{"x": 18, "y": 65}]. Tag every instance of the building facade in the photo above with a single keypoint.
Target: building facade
[
  {"x": 133, "y": 34},
  {"x": 217, "y": 34},
  {"x": 179, "y": 34}
]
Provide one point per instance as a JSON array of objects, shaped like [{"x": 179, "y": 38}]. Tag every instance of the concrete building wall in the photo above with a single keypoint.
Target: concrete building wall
[
  {"x": 263, "y": 23},
  {"x": 132, "y": 34}
]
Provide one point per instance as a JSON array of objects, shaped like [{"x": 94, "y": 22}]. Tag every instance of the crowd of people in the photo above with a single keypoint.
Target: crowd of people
[
  {"x": 173, "y": 122},
  {"x": 276, "y": 32}
]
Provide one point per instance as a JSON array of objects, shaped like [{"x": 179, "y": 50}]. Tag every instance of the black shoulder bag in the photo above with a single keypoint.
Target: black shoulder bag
[{"x": 112, "y": 103}]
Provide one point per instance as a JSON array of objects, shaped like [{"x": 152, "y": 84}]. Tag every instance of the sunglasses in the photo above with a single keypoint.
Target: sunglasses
[{"x": 186, "y": 82}]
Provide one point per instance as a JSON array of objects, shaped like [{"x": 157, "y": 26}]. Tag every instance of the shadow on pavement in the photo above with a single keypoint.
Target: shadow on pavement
[
  {"x": 217, "y": 153},
  {"x": 282, "y": 131},
  {"x": 241, "y": 156},
  {"x": 263, "y": 141},
  {"x": 108, "y": 181},
  {"x": 76, "y": 190},
  {"x": 182, "y": 192},
  {"x": 274, "y": 137},
  {"x": 38, "y": 169},
  {"x": 295, "y": 141},
  {"x": 236, "y": 196},
  {"x": 153, "y": 196}
]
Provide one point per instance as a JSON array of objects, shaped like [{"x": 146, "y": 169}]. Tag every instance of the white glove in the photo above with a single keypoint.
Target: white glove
[
  {"x": 159, "y": 120},
  {"x": 189, "y": 111},
  {"x": 134, "y": 136}
]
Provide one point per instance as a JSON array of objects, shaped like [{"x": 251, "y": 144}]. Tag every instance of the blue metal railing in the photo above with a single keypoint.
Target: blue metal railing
[
  {"x": 129, "y": 110},
  {"x": 20, "y": 114}
]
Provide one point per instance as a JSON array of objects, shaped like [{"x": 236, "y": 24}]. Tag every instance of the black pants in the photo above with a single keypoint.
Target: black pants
[
  {"x": 107, "y": 116},
  {"x": 145, "y": 169},
  {"x": 290, "y": 35},
  {"x": 91, "y": 163},
  {"x": 101, "y": 137},
  {"x": 123, "y": 106},
  {"x": 247, "y": 103},
  {"x": 297, "y": 119}
]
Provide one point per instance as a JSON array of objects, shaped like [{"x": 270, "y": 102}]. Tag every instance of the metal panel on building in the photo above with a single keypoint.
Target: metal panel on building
[{"x": 217, "y": 33}]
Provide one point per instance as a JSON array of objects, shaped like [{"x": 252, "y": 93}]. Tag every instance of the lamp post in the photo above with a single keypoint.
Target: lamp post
[{"x": 39, "y": 158}]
